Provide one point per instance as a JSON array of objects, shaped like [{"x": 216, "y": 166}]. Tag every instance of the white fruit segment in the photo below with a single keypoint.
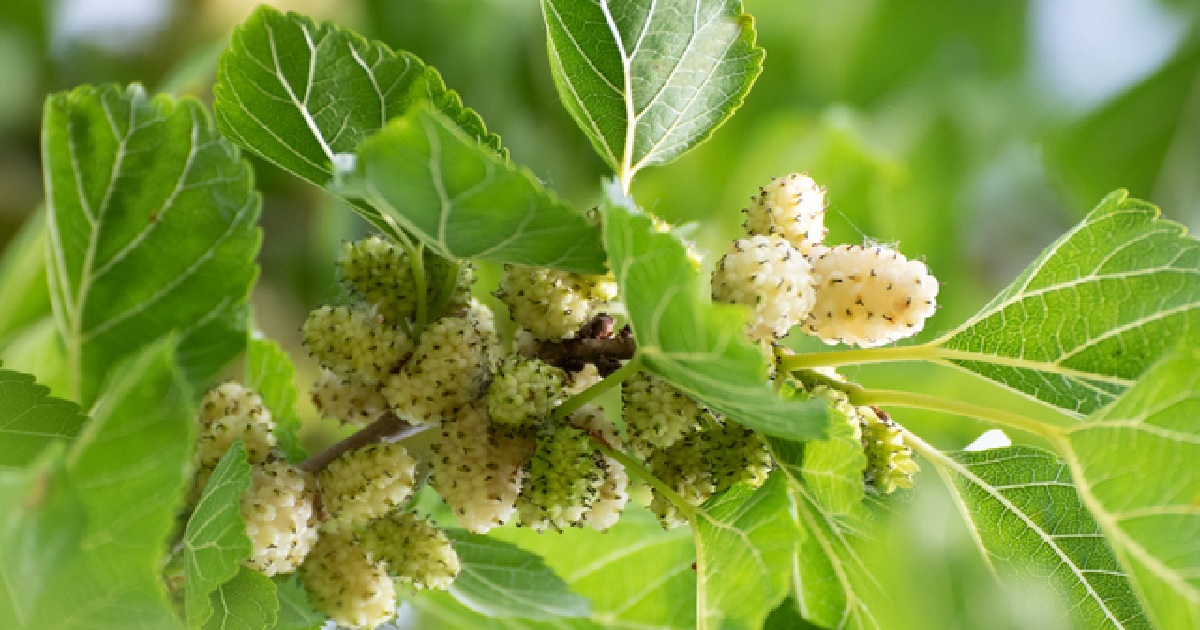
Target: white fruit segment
[
  {"x": 613, "y": 492},
  {"x": 415, "y": 552},
  {"x": 524, "y": 391},
  {"x": 343, "y": 583},
  {"x": 553, "y": 304},
  {"x": 565, "y": 474},
  {"x": 770, "y": 275},
  {"x": 246, "y": 419},
  {"x": 379, "y": 271},
  {"x": 365, "y": 484},
  {"x": 449, "y": 367},
  {"x": 657, "y": 414},
  {"x": 355, "y": 341},
  {"x": 477, "y": 469},
  {"x": 792, "y": 207},
  {"x": 280, "y": 520},
  {"x": 890, "y": 464},
  {"x": 230, "y": 398},
  {"x": 869, "y": 296},
  {"x": 346, "y": 399}
]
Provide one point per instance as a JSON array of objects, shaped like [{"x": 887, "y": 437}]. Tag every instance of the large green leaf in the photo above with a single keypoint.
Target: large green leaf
[
  {"x": 151, "y": 224},
  {"x": 298, "y": 93},
  {"x": 745, "y": 543},
  {"x": 1092, "y": 313},
  {"x": 269, "y": 371},
  {"x": 647, "y": 80},
  {"x": 247, "y": 602},
  {"x": 834, "y": 584},
  {"x": 699, "y": 347},
  {"x": 128, "y": 468},
  {"x": 635, "y": 575},
  {"x": 1135, "y": 464},
  {"x": 41, "y": 521},
  {"x": 832, "y": 469},
  {"x": 465, "y": 201},
  {"x": 499, "y": 579},
  {"x": 215, "y": 542},
  {"x": 23, "y": 279},
  {"x": 295, "y": 611},
  {"x": 31, "y": 420},
  {"x": 1027, "y": 516}
]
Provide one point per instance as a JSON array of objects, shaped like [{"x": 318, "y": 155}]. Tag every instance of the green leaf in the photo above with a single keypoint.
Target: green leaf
[
  {"x": 832, "y": 469},
  {"x": 215, "y": 542},
  {"x": 39, "y": 534},
  {"x": 745, "y": 541},
  {"x": 1090, "y": 315},
  {"x": 31, "y": 420},
  {"x": 647, "y": 80},
  {"x": 499, "y": 579},
  {"x": 700, "y": 347},
  {"x": 636, "y": 576},
  {"x": 834, "y": 585},
  {"x": 298, "y": 93},
  {"x": 295, "y": 611},
  {"x": 23, "y": 279},
  {"x": 465, "y": 201},
  {"x": 269, "y": 372},
  {"x": 38, "y": 350},
  {"x": 1135, "y": 466},
  {"x": 151, "y": 224},
  {"x": 1028, "y": 519},
  {"x": 248, "y": 601},
  {"x": 128, "y": 468}
]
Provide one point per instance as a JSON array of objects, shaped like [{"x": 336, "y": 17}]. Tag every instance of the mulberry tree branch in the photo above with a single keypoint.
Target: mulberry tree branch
[{"x": 388, "y": 428}]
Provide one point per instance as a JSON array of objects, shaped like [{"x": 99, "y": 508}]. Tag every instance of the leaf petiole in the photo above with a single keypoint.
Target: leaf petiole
[
  {"x": 858, "y": 356},
  {"x": 913, "y": 400},
  {"x": 639, "y": 470},
  {"x": 572, "y": 404}
]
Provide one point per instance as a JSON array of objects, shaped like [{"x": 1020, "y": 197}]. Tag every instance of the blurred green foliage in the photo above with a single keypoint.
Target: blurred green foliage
[{"x": 939, "y": 125}]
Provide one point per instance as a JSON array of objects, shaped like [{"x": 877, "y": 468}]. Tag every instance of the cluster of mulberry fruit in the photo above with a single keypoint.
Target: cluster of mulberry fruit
[
  {"x": 344, "y": 529},
  {"x": 868, "y": 295}
]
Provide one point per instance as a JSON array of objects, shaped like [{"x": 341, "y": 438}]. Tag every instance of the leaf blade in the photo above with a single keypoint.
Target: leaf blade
[
  {"x": 500, "y": 580},
  {"x": 270, "y": 373},
  {"x": 215, "y": 541},
  {"x": 1092, "y": 313},
  {"x": 31, "y": 420}
]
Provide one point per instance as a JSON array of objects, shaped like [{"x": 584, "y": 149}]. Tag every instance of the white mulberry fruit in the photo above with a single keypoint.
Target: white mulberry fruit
[
  {"x": 792, "y": 207},
  {"x": 280, "y": 520},
  {"x": 613, "y": 492},
  {"x": 414, "y": 551},
  {"x": 355, "y": 341},
  {"x": 477, "y": 469},
  {"x": 656, "y": 413},
  {"x": 346, "y": 399},
  {"x": 553, "y": 304},
  {"x": 869, "y": 296},
  {"x": 379, "y": 271},
  {"x": 365, "y": 484},
  {"x": 345, "y": 584},
  {"x": 565, "y": 474},
  {"x": 524, "y": 391},
  {"x": 682, "y": 467},
  {"x": 769, "y": 274}
]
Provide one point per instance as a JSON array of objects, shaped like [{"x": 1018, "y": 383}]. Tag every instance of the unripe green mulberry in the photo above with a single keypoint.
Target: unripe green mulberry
[
  {"x": 344, "y": 584},
  {"x": 769, "y": 274},
  {"x": 355, "y": 341},
  {"x": 656, "y": 413},
  {"x": 365, "y": 483},
  {"x": 839, "y": 402},
  {"x": 524, "y": 391},
  {"x": 869, "y": 296},
  {"x": 346, "y": 399},
  {"x": 449, "y": 367},
  {"x": 279, "y": 513},
  {"x": 478, "y": 470},
  {"x": 684, "y": 469},
  {"x": 890, "y": 464},
  {"x": 414, "y": 551},
  {"x": 553, "y": 304},
  {"x": 737, "y": 455},
  {"x": 792, "y": 207},
  {"x": 246, "y": 419},
  {"x": 613, "y": 492},
  {"x": 565, "y": 474},
  {"x": 378, "y": 270}
]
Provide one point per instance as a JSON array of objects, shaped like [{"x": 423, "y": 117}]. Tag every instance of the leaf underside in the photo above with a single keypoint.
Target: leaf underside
[
  {"x": 215, "y": 541},
  {"x": 1092, "y": 313},
  {"x": 501, "y": 580}
]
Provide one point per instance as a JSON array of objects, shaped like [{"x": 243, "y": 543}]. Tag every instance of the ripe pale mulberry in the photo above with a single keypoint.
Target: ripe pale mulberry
[
  {"x": 345, "y": 584},
  {"x": 280, "y": 520},
  {"x": 355, "y": 341},
  {"x": 553, "y": 304},
  {"x": 246, "y": 419},
  {"x": 656, "y": 413},
  {"x": 869, "y": 296},
  {"x": 379, "y": 271},
  {"x": 346, "y": 399},
  {"x": 364, "y": 484},
  {"x": 770, "y": 275},
  {"x": 793, "y": 207}
]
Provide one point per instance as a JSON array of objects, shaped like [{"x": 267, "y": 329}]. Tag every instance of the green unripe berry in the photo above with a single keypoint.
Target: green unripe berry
[
  {"x": 890, "y": 463},
  {"x": 379, "y": 271},
  {"x": 657, "y": 414},
  {"x": 524, "y": 391},
  {"x": 565, "y": 474},
  {"x": 414, "y": 551},
  {"x": 355, "y": 342}
]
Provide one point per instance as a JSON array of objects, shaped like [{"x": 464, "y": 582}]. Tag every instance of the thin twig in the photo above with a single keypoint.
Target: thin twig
[{"x": 388, "y": 428}]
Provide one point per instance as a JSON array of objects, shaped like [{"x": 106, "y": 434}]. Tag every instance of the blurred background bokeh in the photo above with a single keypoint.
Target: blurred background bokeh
[{"x": 971, "y": 132}]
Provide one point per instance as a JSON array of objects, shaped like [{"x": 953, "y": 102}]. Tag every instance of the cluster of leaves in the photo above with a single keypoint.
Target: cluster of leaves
[{"x": 149, "y": 236}]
